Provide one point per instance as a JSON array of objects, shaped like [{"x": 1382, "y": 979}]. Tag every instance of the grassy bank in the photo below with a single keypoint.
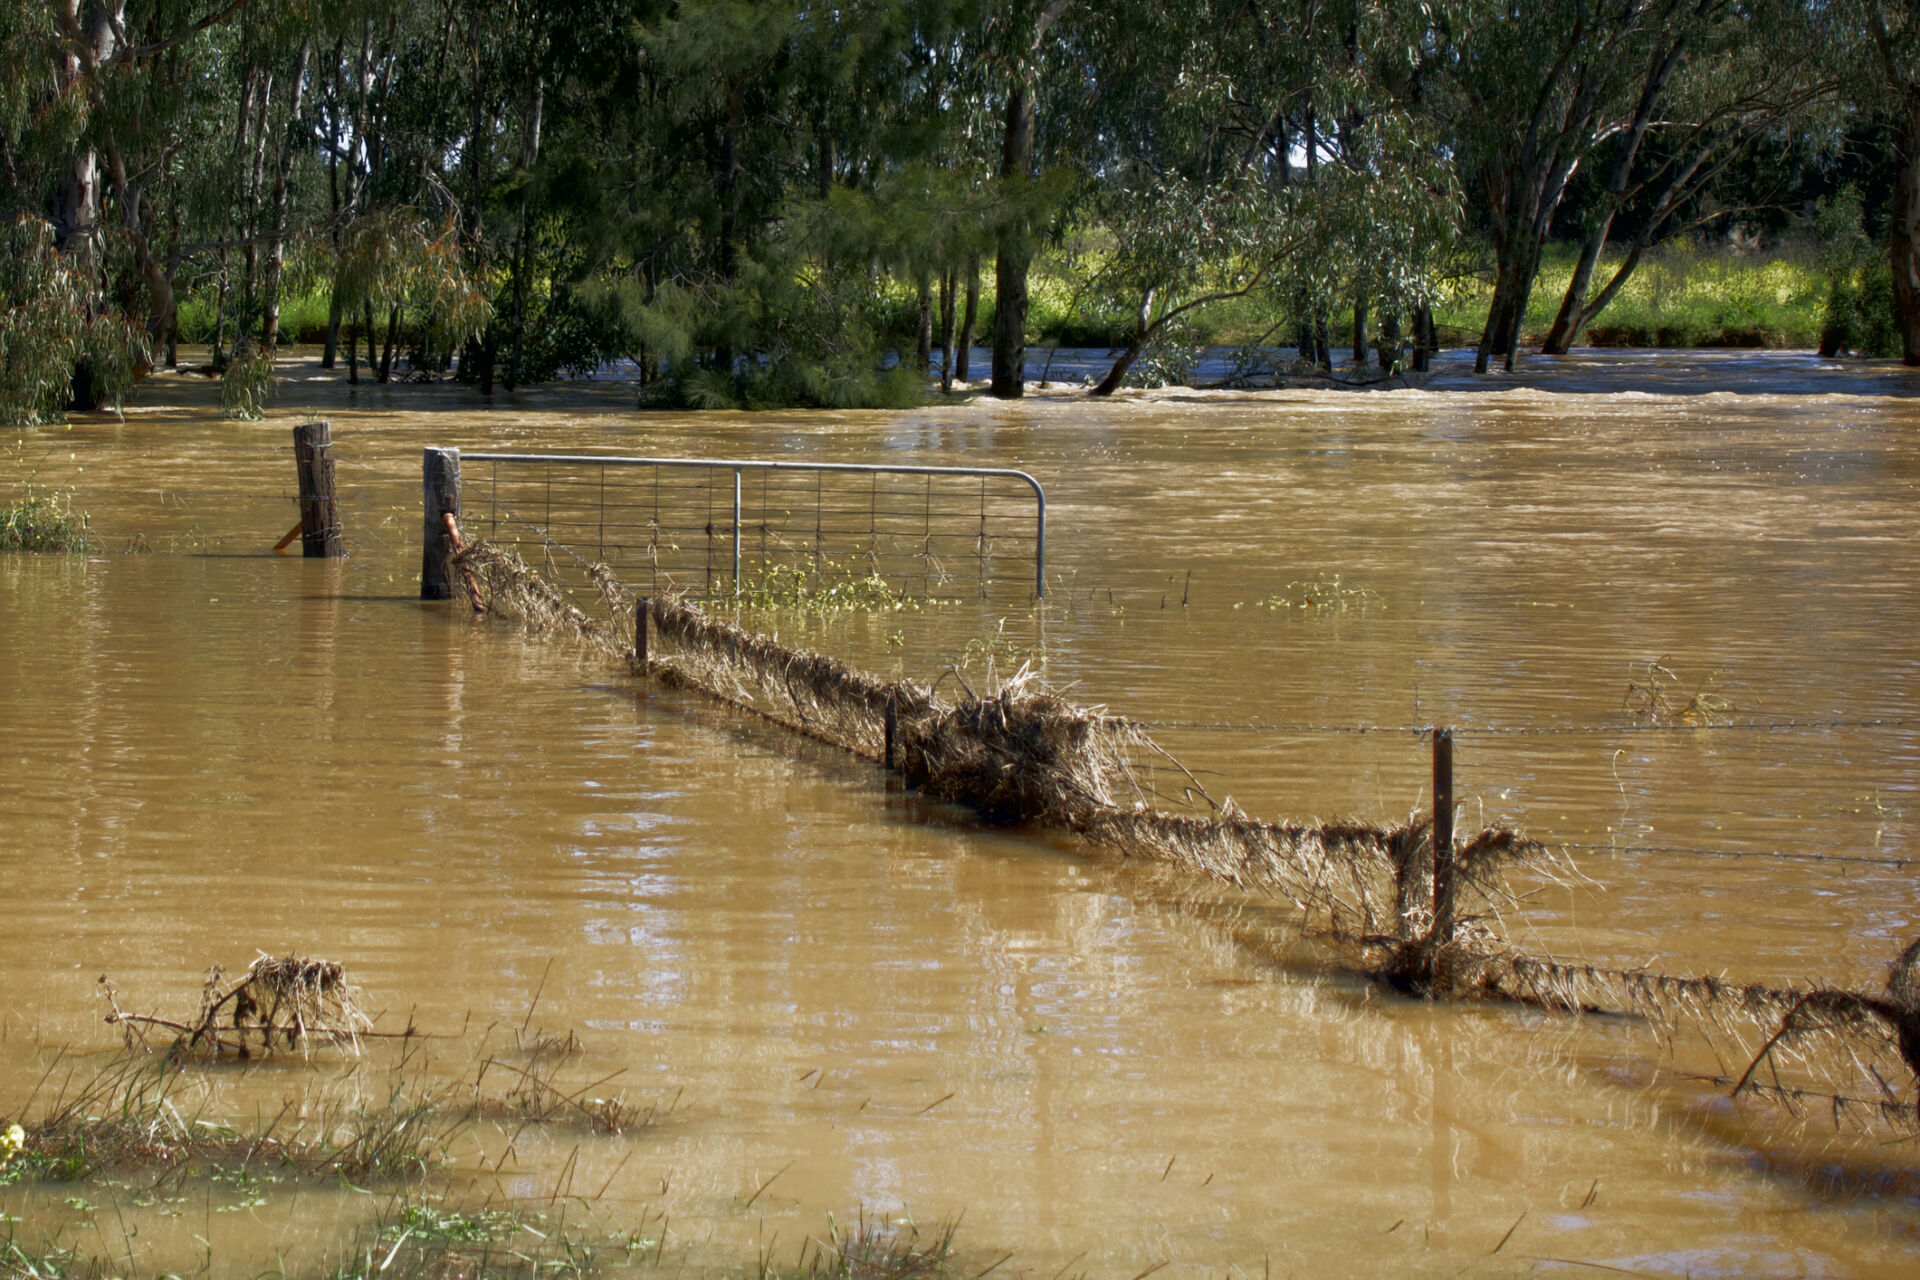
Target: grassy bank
[
  {"x": 302, "y": 319},
  {"x": 1681, "y": 295}
]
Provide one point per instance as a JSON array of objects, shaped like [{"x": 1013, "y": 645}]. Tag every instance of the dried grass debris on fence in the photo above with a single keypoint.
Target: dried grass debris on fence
[
  {"x": 1835, "y": 1031},
  {"x": 292, "y": 1001},
  {"x": 1021, "y": 753}
]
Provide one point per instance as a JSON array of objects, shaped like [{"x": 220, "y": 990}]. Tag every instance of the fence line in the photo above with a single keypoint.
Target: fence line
[
  {"x": 1782, "y": 855},
  {"x": 1453, "y": 733},
  {"x": 1531, "y": 731},
  {"x": 1389, "y": 896}
]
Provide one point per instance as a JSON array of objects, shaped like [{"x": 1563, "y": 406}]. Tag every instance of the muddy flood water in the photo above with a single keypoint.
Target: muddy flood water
[{"x": 838, "y": 999}]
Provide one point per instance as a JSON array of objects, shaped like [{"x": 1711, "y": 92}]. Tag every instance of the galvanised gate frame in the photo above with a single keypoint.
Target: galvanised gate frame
[{"x": 741, "y": 468}]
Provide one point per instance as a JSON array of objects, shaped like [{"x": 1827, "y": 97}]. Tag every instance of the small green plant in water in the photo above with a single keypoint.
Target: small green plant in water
[
  {"x": 1322, "y": 595},
  {"x": 425, "y": 1222},
  {"x": 43, "y": 522},
  {"x": 1656, "y": 695},
  {"x": 829, "y": 588},
  {"x": 1001, "y": 652}
]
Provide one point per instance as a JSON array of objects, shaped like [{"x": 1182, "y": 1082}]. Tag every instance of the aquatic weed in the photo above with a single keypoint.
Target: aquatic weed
[
  {"x": 828, "y": 587},
  {"x": 1321, "y": 595},
  {"x": 1656, "y": 695},
  {"x": 45, "y": 523}
]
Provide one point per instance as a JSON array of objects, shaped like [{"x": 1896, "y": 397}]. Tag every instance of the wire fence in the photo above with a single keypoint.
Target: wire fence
[
  {"x": 1616, "y": 848},
  {"x": 709, "y": 526},
  {"x": 1388, "y": 897}
]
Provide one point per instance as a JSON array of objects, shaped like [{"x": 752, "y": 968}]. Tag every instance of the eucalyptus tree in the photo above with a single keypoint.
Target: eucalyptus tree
[
  {"x": 92, "y": 103},
  {"x": 1244, "y": 148},
  {"x": 1718, "y": 76},
  {"x": 744, "y": 187},
  {"x": 1020, "y": 37},
  {"x": 1879, "y": 40},
  {"x": 1526, "y": 92}
]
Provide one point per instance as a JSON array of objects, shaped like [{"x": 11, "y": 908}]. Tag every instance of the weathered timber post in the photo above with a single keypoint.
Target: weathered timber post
[
  {"x": 441, "y": 482},
  {"x": 319, "y": 508},
  {"x": 1443, "y": 882},
  {"x": 892, "y": 734},
  {"x": 640, "y": 609}
]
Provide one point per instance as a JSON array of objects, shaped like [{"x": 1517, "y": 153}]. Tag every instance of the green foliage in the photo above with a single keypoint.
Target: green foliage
[
  {"x": 43, "y": 522},
  {"x": 830, "y": 587},
  {"x": 1322, "y": 595},
  {"x": 48, "y": 326},
  {"x": 388, "y": 259},
  {"x": 816, "y": 332},
  {"x": 749, "y": 200},
  {"x": 247, "y": 382},
  {"x": 1167, "y": 361},
  {"x": 1859, "y": 312},
  {"x": 431, "y": 1222}
]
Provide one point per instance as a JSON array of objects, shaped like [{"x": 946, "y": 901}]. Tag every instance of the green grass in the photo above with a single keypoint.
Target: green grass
[
  {"x": 302, "y": 320},
  {"x": 1681, "y": 295}
]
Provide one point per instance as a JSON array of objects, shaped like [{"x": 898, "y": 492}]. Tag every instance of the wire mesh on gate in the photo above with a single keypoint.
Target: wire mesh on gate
[{"x": 708, "y": 525}]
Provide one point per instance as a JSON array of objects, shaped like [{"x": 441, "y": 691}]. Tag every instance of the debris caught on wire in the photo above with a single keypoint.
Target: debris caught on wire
[
  {"x": 284, "y": 1003},
  {"x": 1021, "y": 753}
]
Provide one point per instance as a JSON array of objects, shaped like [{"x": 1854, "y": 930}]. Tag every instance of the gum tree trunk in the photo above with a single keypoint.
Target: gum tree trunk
[
  {"x": 963, "y": 356},
  {"x": 948, "y": 285},
  {"x": 277, "y": 245},
  {"x": 1904, "y": 228},
  {"x": 530, "y": 155},
  {"x": 923, "y": 336},
  {"x": 1010, "y": 263},
  {"x": 1424, "y": 344}
]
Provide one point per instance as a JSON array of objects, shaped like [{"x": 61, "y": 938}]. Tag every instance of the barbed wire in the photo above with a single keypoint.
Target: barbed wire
[
  {"x": 1784, "y": 855},
  {"x": 1736, "y": 726},
  {"x": 1279, "y": 728},
  {"x": 1525, "y": 731}
]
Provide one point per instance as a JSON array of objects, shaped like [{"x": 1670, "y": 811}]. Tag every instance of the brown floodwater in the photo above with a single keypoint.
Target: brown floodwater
[{"x": 843, "y": 999}]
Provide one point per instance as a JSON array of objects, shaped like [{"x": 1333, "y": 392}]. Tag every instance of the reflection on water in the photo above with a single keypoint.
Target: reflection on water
[{"x": 209, "y": 751}]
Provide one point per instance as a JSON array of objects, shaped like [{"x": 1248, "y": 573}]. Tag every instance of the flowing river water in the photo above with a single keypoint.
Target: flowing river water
[{"x": 843, "y": 1000}]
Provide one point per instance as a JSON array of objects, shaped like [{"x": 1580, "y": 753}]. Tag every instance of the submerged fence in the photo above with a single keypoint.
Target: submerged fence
[
  {"x": 706, "y": 525},
  {"x": 1414, "y": 905}
]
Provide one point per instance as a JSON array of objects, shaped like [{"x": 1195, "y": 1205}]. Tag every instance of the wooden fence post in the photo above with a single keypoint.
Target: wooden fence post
[
  {"x": 1443, "y": 881},
  {"x": 892, "y": 731},
  {"x": 441, "y": 482},
  {"x": 640, "y": 632},
  {"x": 319, "y": 508}
]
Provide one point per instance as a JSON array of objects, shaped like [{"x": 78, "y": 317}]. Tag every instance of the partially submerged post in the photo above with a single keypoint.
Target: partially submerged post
[
  {"x": 640, "y": 633},
  {"x": 441, "y": 480},
  {"x": 891, "y": 733},
  {"x": 319, "y": 509},
  {"x": 1443, "y": 879}
]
